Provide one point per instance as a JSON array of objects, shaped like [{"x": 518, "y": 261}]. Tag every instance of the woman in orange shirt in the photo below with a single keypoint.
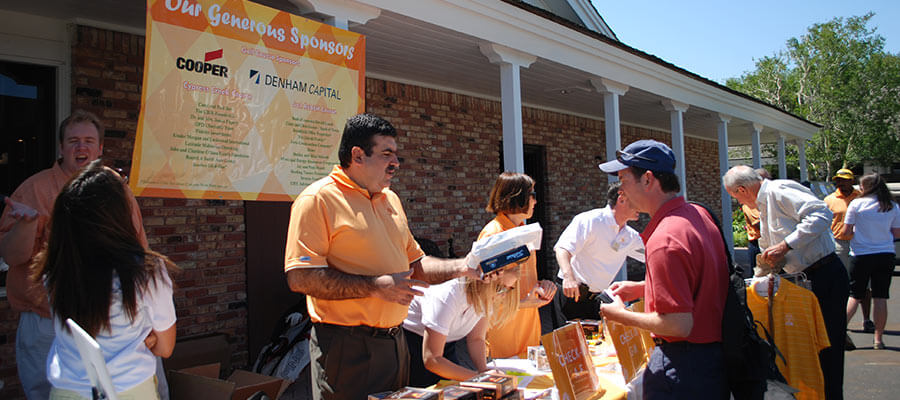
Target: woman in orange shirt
[{"x": 512, "y": 199}]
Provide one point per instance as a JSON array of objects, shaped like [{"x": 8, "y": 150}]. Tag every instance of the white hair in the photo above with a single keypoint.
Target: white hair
[{"x": 740, "y": 175}]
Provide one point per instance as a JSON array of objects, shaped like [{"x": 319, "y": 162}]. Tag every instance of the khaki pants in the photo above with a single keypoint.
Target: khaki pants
[{"x": 145, "y": 390}]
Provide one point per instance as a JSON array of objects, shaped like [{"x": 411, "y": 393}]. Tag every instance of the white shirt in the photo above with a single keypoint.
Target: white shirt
[
  {"x": 444, "y": 309},
  {"x": 871, "y": 228},
  {"x": 599, "y": 247},
  {"x": 789, "y": 212},
  {"x": 128, "y": 359}
]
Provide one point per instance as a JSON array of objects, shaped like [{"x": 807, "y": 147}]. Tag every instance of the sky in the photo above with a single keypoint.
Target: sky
[{"x": 722, "y": 39}]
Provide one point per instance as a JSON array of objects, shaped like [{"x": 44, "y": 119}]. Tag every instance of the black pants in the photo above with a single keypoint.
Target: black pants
[
  {"x": 752, "y": 251},
  {"x": 419, "y": 376},
  {"x": 353, "y": 362},
  {"x": 586, "y": 307},
  {"x": 831, "y": 286}
]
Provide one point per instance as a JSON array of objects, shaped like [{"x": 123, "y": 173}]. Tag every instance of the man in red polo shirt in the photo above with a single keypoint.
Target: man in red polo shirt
[{"x": 685, "y": 282}]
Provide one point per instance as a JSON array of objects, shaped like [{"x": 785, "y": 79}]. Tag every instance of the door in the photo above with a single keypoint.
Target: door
[{"x": 536, "y": 167}]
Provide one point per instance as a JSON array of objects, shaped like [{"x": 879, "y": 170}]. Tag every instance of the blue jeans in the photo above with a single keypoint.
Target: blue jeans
[
  {"x": 682, "y": 370},
  {"x": 33, "y": 339}
]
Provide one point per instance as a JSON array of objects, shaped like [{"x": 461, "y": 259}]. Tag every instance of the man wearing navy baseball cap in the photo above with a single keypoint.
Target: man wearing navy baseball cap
[{"x": 684, "y": 289}]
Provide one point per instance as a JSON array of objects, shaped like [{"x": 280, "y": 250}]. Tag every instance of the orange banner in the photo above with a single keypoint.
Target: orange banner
[{"x": 241, "y": 101}]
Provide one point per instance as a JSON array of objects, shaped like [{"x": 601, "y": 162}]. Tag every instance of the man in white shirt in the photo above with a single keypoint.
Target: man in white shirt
[
  {"x": 796, "y": 227},
  {"x": 591, "y": 251}
]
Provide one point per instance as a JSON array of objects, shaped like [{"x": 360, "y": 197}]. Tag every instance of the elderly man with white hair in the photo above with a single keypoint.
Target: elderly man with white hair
[{"x": 796, "y": 226}]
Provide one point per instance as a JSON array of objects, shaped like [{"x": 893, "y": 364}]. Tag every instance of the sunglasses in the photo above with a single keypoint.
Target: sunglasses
[{"x": 621, "y": 154}]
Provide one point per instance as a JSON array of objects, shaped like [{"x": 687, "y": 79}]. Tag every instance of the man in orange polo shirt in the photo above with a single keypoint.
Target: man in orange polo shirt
[
  {"x": 350, "y": 250},
  {"x": 837, "y": 202},
  {"x": 24, "y": 228}
]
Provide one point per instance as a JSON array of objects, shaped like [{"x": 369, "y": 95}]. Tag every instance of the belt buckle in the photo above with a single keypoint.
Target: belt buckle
[{"x": 392, "y": 331}]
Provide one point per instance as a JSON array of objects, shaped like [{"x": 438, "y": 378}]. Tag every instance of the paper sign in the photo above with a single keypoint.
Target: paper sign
[
  {"x": 630, "y": 346},
  {"x": 241, "y": 101},
  {"x": 571, "y": 363}
]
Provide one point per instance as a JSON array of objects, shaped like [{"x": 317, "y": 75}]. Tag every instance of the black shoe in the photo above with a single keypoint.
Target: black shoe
[
  {"x": 868, "y": 326},
  {"x": 849, "y": 346}
]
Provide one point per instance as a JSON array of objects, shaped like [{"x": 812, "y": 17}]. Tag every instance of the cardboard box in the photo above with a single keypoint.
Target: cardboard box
[
  {"x": 494, "y": 386},
  {"x": 197, "y": 350},
  {"x": 463, "y": 393},
  {"x": 202, "y": 382}
]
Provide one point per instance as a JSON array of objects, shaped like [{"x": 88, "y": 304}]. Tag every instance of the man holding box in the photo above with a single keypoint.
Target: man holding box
[
  {"x": 684, "y": 288},
  {"x": 349, "y": 249}
]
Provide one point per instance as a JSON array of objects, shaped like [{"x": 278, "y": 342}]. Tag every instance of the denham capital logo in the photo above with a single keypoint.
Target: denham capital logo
[
  {"x": 254, "y": 74},
  {"x": 204, "y": 66}
]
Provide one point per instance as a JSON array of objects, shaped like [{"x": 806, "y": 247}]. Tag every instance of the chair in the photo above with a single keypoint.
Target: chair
[{"x": 93, "y": 362}]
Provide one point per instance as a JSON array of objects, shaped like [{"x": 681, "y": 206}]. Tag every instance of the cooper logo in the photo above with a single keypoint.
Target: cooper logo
[{"x": 204, "y": 66}]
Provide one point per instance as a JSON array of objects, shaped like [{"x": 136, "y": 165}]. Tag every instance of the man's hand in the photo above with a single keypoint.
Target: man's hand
[
  {"x": 397, "y": 288},
  {"x": 570, "y": 287},
  {"x": 776, "y": 253},
  {"x": 19, "y": 211},
  {"x": 627, "y": 290},
  {"x": 613, "y": 311}
]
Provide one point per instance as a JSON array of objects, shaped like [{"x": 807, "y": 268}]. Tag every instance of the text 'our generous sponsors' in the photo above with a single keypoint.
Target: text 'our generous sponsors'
[{"x": 217, "y": 16}]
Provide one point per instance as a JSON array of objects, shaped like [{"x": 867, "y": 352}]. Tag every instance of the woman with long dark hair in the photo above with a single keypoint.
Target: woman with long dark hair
[
  {"x": 98, "y": 274},
  {"x": 874, "y": 219}
]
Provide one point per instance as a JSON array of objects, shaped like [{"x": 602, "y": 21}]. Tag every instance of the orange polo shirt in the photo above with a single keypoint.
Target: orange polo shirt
[
  {"x": 39, "y": 191},
  {"x": 335, "y": 223},
  {"x": 751, "y": 222},
  {"x": 838, "y": 203},
  {"x": 524, "y": 328}
]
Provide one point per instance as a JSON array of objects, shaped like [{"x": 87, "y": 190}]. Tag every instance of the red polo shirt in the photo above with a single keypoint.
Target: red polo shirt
[{"x": 686, "y": 268}]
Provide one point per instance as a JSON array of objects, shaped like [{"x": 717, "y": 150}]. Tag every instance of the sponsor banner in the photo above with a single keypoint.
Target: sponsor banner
[{"x": 241, "y": 101}]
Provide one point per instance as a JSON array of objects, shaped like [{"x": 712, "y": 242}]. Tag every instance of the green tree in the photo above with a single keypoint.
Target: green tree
[{"x": 837, "y": 75}]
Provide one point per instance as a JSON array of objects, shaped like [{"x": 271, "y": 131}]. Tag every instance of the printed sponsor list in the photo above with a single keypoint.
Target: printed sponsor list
[
  {"x": 313, "y": 135},
  {"x": 211, "y": 143}
]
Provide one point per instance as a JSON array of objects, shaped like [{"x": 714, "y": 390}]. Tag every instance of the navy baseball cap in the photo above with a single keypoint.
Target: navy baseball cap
[{"x": 646, "y": 154}]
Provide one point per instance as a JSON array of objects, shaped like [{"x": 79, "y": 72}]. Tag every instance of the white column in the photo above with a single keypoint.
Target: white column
[
  {"x": 723, "y": 168},
  {"x": 676, "y": 120},
  {"x": 801, "y": 153},
  {"x": 611, "y": 91},
  {"x": 754, "y": 137},
  {"x": 510, "y": 61},
  {"x": 338, "y": 13},
  {"x": 782, "y": 163}
]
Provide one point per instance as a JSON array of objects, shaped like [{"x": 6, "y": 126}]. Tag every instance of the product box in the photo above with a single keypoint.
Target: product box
[
  {"x": 495, "y": 386},
  {"x": 408, "y": 393},
  {"x": 593, "y": 328},
  {"x": 463, "y": 393},
  {"x": 517, "y": 394},
  {"x": 202, "y": 382}
]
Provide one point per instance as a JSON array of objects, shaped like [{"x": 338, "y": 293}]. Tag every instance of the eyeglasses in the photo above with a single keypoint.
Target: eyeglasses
[
  {"x": 620, "y": 154},
  {"x": 533, "y": 194}
]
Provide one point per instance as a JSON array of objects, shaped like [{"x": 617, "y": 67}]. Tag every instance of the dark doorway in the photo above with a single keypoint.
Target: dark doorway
[
  {"x": 268, "y": 295},
  {"x": 536, "y": 168},
  {"x": 27, "y": 122}
]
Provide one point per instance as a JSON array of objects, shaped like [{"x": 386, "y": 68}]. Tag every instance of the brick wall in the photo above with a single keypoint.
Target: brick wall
[{"x": 450, "y": 143}]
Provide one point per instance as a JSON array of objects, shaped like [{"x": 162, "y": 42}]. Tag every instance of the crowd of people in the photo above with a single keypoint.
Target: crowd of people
[{"x": 386, "y": 315}]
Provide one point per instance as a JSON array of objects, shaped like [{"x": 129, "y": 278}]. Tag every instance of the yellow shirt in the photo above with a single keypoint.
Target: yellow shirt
[
  {"x": 838, "y": 203},
  {"x": 799, "y": 333},
  {"x": 335, "y": 223},
  {"x": 524, "y": 328},
  {"x": 751, "y": 222}
]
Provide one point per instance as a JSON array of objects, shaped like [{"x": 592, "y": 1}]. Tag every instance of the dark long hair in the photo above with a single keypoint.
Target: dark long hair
[
  {"x": 874, "y": 184},
  {"x": 92, "y": 237}
]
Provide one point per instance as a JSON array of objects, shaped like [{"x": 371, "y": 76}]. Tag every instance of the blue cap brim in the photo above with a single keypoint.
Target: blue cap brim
[{"x": 611, "y": 167}]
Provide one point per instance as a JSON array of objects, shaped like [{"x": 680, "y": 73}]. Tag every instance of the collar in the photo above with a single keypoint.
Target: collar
[
  {"x": 661, "y": 213},
  {"x": 505, "y": 222},
  {"x": 341, "y": 178},
  {"x": 840, "y": 195}
]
